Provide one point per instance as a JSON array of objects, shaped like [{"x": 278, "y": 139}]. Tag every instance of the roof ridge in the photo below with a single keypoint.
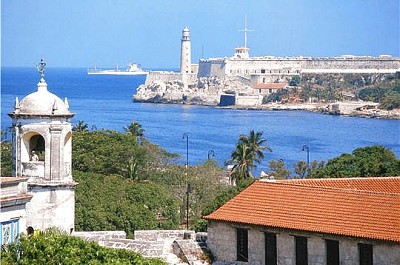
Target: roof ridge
[{"x": 333, "y": 188}]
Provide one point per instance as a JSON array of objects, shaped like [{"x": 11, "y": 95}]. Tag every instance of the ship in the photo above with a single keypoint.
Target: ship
[{"x": 132, "y": 69}]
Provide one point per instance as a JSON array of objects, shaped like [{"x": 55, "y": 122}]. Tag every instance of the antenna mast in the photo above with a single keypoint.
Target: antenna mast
[{"x": 245, "y": 30}]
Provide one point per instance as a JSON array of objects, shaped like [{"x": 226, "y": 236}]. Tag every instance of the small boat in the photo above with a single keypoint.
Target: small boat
[{"x": 132, "y": 69}]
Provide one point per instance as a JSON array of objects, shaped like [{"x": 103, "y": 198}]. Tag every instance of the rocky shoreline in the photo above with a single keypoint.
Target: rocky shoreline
[
  {"x": 208, "y": 91},
  {"x": 344, "y": 109}
]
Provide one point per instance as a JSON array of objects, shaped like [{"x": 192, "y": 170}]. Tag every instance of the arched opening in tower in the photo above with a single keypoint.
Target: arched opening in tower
[{"x": 37, "y": 147}]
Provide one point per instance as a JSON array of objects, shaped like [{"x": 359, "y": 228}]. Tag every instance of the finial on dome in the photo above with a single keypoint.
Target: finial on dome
[
  {"x": 16, "y": 106},
  {"x": 66, "y": 103},
  {"x": 41, "y": 67}
]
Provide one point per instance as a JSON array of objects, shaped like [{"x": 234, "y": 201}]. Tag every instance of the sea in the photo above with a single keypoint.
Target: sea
[{"x": 105, "y": 102}]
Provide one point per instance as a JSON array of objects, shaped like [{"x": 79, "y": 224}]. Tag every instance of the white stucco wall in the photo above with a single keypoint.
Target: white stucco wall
[
  {"x": 222, "y": 243},
  {"x": 51, "y": 207}
]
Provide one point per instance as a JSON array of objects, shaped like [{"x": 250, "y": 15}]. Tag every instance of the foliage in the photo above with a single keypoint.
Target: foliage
[
  {"x": 135, "y": 129},
  {"x": 249, "y": 150},
  {"x": 387, "y": 94},
  {"x": 205, "y": 181},
  {"x": 300, "y": 168},
  {"x": 276, "y": 97},
  {"x": 6, "y": 159},
  {"x": 370, "y": 161},
  {"x": 390, "y": 101},
  {"x": 6, "y": 154},
  {"x": 52, "y": 247},
  {"x": 295, "y": 81},
  {"x": 81, "y": 126},
  {"x": 219, "y": 200},
  {"x": 278, "y": 169},
  {"x": 115, "y": 203},
  {"x": 105, "y": 152},
  {"x": 110, "y": 152}
]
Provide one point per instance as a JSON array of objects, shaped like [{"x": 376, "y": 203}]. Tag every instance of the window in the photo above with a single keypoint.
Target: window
[
  {"x": 242, "y": 244},
  {"x": 301, "y": 250},
  {"x": 332, "y": 252},
  {"x": 9, "y": 232},
  {"x": 270, "y": 249},
  {"x": 366, "y": 254},
  {"x": 263, "y": 71}
]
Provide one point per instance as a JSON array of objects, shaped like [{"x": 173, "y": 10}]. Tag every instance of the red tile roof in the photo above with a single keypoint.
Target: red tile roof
[
  {"x": 385, "y": 185},
  {"x": 325, "y": 207},
  {"x": 270, "y": 85}
]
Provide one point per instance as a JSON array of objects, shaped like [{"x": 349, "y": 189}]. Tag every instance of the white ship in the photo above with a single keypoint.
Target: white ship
[{"x": 132, "y": 69}]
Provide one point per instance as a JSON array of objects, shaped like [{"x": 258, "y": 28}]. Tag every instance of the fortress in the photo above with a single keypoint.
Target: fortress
[{"x": 266, "y": 69}]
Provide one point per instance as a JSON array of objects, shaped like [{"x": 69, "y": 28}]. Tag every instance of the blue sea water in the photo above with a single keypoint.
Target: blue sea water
[{"x": 105, "y": 102}]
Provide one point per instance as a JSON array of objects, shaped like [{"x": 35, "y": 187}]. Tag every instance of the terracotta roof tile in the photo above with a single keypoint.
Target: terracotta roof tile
[
  {"x": 384, "y": 184},
  {"x": 315, "y": 208}
]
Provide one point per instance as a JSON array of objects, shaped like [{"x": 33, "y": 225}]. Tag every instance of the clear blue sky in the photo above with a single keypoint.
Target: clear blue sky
[{"x": 81, "y": 33}]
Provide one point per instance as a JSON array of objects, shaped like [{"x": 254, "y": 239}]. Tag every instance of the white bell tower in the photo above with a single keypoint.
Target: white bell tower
[{"x": 42, "y": 151}]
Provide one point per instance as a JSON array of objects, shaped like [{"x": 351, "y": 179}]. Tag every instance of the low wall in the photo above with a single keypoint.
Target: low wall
[
  {"x": 159, "y": 235},
  {"x": 169, "y": 76}
]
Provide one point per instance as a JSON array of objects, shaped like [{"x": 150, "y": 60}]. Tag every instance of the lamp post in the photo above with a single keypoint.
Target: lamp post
[
  {"x": 210, "y": 153},
  {"x": 307, "y": 148},
  {"x": 188, "y": 188}
]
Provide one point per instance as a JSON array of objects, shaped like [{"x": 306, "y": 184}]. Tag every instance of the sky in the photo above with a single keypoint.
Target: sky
[{"x": 106, "y": 33}]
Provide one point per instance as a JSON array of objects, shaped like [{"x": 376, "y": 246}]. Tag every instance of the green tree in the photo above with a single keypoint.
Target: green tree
[
  {"x": 278, "y": 169},
  {"x": 370, "y": 161},
  {"x": 135, "y": 129},
  {"x": 243, "y": 161},
  {"x": 316, "y": 169},
  {"x": 255, "y": 142},
  {"x": 6, "y": 159},
  {"x": 115, "y": 203},
  {"x": 295, "y": 81},
  {"x": 390, "y": 101},
  {"x": 81, "y": 126},
  {"x": 249, "y": 150},
  {"x": 300, "y": 168}
]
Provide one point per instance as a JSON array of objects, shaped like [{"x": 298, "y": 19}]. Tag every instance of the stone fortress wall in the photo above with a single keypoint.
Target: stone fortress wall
[
  {"x": 222, "y": 67},
  {"x": 161, "y": 76}
]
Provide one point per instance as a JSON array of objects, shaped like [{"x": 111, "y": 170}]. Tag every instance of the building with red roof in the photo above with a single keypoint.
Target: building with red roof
[{"x": 314, "y": 221}]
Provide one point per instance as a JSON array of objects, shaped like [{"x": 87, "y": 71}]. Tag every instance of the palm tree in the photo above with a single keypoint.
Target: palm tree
[
  {"x": 249, "y": 150},
  {"x": 135, "y": 129},
  {"x": 81, "y": 126},
  {"x": 255, "y": 142},
  {"x": 242, "y": 159}
]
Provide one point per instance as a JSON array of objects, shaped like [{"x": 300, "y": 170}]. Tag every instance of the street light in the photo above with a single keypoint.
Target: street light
[
  {"x": 188, "y": 188},
  {"x": 307, "y": 148},
  {"x": 210, "y": 153}
]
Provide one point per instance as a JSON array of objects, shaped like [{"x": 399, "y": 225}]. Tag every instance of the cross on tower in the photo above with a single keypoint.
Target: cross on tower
[{"x": 245, "y": 30}]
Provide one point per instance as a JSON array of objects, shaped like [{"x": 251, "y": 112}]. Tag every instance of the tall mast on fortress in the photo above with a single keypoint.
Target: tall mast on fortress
[
  {"x": 186, "y": 59},
  {"x": 245, "y": 30},
  {"x": 243, "y": 52}
]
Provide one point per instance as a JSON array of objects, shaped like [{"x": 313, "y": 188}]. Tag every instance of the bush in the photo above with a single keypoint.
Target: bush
[{"x": 52, "y": 247}]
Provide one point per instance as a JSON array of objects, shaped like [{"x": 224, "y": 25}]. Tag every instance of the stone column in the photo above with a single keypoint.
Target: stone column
[{"x": 55, "y": 152}]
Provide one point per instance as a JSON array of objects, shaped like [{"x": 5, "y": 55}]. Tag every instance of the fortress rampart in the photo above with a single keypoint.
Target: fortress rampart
[
  {"x": 169, "y": 77},
  {"x": 296, "y": 65}
]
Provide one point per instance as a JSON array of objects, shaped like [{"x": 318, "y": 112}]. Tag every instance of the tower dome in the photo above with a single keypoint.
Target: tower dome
[{"x": 42, "y": 103}]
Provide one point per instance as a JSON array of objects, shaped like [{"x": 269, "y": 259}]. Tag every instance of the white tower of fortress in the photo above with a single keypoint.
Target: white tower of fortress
[
  {"x": 42, "y": 151},
  {"x": 185, "y": 52}
]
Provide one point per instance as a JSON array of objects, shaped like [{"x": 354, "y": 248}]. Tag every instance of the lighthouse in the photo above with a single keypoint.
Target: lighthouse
[{"x": 185, "y": 52}]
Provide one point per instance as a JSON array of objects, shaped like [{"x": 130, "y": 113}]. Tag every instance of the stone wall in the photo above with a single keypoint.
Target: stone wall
[
  {"x": 222, "y": 243},
  {"x": 296, "y": 65},
  {"x": 174, "y": 246},
  {"x": 160, "y": 76}
]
